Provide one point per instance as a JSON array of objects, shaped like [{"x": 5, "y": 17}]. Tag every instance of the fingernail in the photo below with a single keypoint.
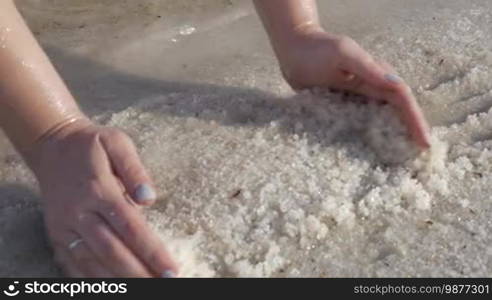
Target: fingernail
[
  {"x": 393, "y": 78},
  {"x": 428, "y": 139},
  {"x": 144, "y": 193},
  {"x": 168, "y": 274}
]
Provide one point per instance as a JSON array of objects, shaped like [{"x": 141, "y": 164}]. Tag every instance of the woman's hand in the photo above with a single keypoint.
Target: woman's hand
[
  {"x": 92, "y": 182},
  {"x": 314, "y": 58},
  {"x": 90, "y": 177}
]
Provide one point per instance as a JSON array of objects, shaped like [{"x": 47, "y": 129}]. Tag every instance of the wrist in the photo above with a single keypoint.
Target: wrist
[
  {"x": 56, "y": 133},
  {"x": 297, "y": 53},
  {"x": 63, "y": 128},
  {"x": 300, "y": 38}
]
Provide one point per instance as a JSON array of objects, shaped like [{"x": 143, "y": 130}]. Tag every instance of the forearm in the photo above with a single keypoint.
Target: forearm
[
  {"x": 284, "y": 19},
  {"x": 33, "y": 98}
]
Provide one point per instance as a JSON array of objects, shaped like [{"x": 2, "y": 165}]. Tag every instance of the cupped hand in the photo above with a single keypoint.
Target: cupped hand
[
  {"x": 93, "y": 185},
  {"x": 315, "y": 58}
]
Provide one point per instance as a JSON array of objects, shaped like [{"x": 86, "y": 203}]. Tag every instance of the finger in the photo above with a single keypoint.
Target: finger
[
  {"x": 88, "y": 264},
  {"x": 351, "y": 83},
  {"x": 413, "y": 116},
  {"x": 406, "y": 105},
  {"x": 82, "y": 257},
  {"x": 387, "y": 67},
  {"x": 81, "y": 263},
  {"x": 109, "y": 249},
  {"x": 357, "y": 61},
  {"x": 128, "y": 167},
  {"x": 134, "y": 231},
  {"x": 409, "y": 110}
]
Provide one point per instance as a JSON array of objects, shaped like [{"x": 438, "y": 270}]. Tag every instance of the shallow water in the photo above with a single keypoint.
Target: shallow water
[{"x": 272, "y": 184}]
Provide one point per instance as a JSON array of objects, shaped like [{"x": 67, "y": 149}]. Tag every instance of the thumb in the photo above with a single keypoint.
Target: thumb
[{"x": 128, "y": 167}]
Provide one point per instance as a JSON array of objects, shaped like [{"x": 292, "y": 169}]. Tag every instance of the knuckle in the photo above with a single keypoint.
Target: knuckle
[
  {"x": 73, "y": 213},
  {"x": 94, "y": 188},
  {"x": 111, "y": 209},
  {"x": 134, "y": 170},
  {"x": 124, "y": 221},
  {"x": 345, "y": 43}
]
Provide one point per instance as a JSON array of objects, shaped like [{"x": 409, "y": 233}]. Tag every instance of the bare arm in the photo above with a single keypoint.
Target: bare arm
[
  {"x": 284, "y": 19},
  {"x": 33, "y": 98},
  {"x": 85, "y": 171}
]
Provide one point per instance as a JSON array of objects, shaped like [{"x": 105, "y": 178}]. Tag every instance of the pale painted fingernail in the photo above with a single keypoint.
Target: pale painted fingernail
[
  {"x": 144, "y": 193},
  {"x": 428, "y": 138},
  {"x": 393, "y": 78},
  {"x": 168, "y": 274}
]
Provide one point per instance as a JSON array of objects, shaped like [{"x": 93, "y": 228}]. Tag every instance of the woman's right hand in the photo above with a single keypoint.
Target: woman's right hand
[
  {"x": 315, "y": 58},
  {"x": 92, "y": 183}
]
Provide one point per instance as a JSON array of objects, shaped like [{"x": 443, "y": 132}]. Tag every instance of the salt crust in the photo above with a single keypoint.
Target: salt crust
[{"x": 286, "y": 187}]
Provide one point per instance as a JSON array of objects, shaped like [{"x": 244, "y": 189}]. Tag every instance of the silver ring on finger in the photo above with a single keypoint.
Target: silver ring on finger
[{"x": 74, "y": 244}]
